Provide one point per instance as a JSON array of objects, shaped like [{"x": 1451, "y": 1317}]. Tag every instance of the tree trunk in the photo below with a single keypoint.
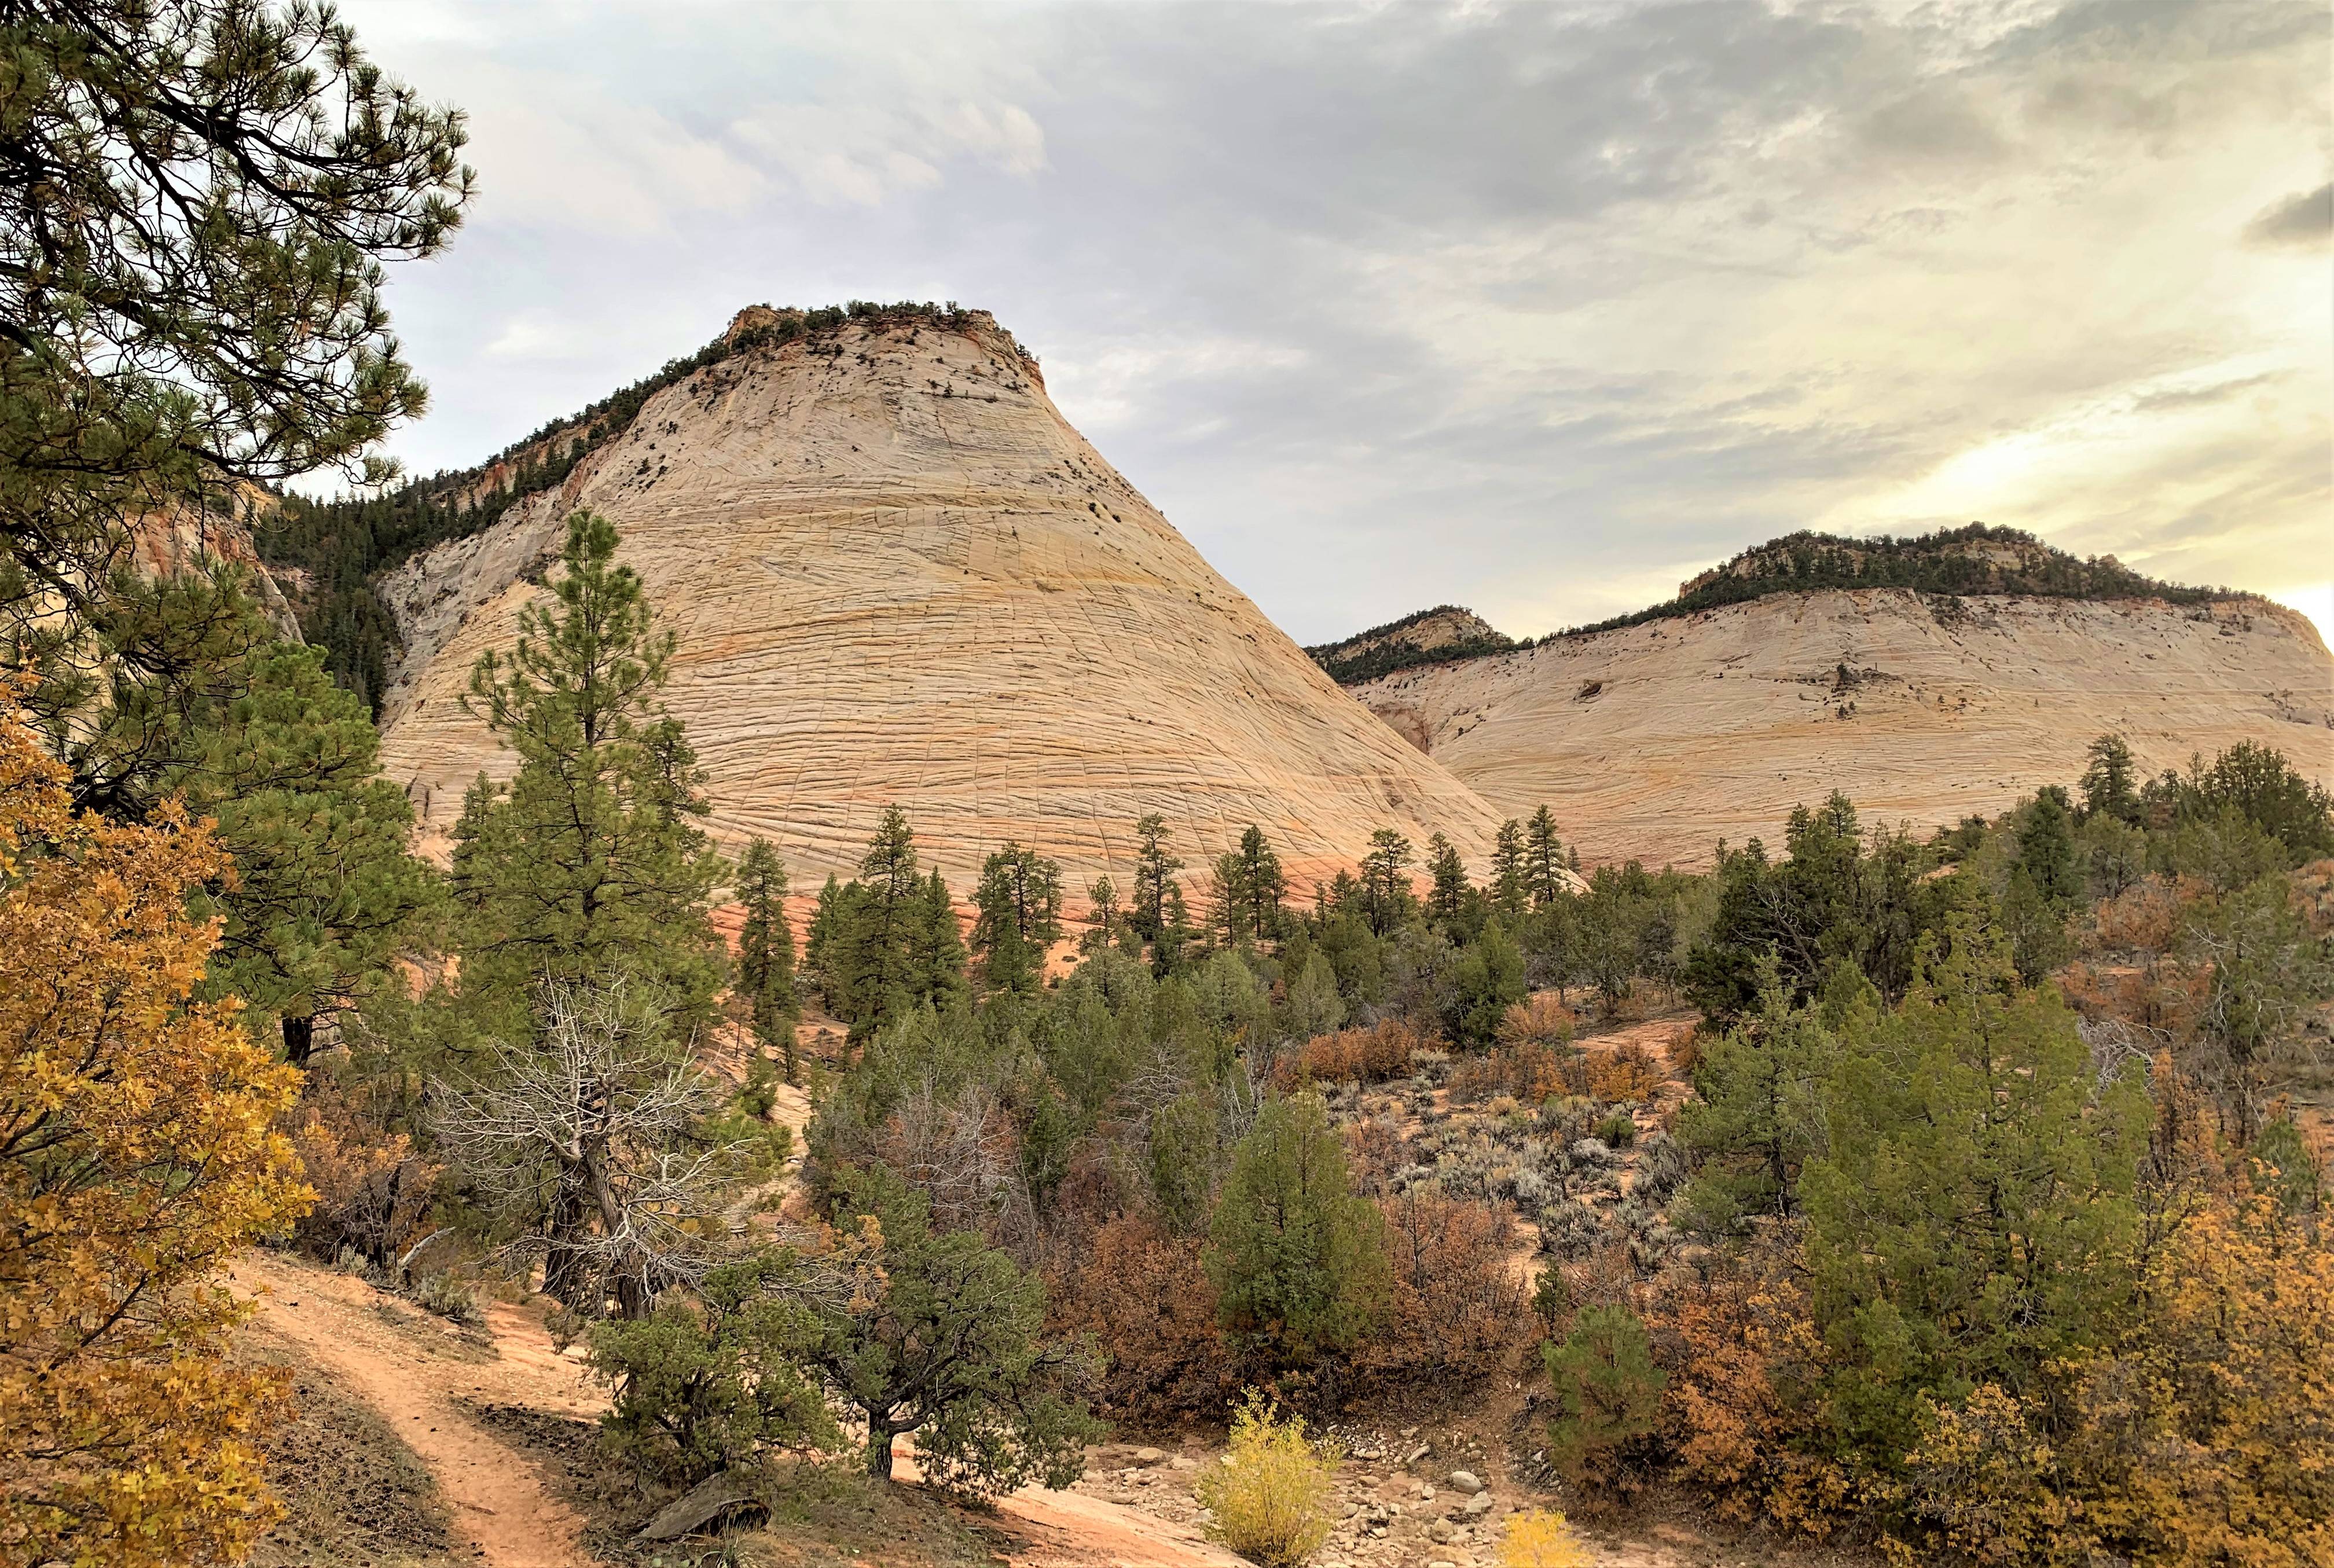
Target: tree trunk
[
  {"x": 567, "y": 1274},
  {"x": 299, "y": 1039},
  {"x": 879, "y": 1451}
]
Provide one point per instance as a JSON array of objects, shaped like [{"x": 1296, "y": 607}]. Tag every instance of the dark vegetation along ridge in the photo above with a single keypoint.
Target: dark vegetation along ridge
[
  {"x": 1951, "y": 564},
  {"x": 341, "y": 546},
  {"x": 1381, "y": 651}
]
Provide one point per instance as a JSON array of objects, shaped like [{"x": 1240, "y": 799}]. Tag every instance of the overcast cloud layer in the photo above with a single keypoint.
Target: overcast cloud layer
[{"x": 1537, "y": 308}]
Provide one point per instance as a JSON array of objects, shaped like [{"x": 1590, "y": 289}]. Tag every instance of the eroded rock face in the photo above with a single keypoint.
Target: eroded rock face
[
  {"x": 1657, "y": 740},
  {"x": 898, "y": 575}
]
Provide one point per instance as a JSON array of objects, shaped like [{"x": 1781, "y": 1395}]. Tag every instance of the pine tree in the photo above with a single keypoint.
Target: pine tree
[
  {"x": 881, "y": 913},
  {"x": 1019, "y": 901},
  {"x": 766, "y": 952},
  {"x": 2111, "y": 782},
  {"x": 2046, "y": 848},
  {"x": 1448, "y": 894},
  {"x": 1263, "y": 884},
  {"x": 1227, "y": 901},
  {"x": 1154, "y": 874},
  {"x": 1103, "y": 917},
  {"x": 324, "y": 891},
  {"x": 1543, "y": 859},
  {"x": 1385, "y": 894},
  {"x": 935, "y": 956},
  {"x": 1508, "y": 892},
  {"x": 1755, "y": 1118},
  {"x": 822, "y": 949},
  {"x": 590, "y": 863}
]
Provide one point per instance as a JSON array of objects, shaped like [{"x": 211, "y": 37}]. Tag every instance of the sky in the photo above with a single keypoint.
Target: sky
[{"x": 1537, "y": 308}]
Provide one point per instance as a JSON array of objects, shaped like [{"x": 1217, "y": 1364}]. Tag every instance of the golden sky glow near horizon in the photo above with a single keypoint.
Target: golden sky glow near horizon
[{"x": 1537, "y": 308}]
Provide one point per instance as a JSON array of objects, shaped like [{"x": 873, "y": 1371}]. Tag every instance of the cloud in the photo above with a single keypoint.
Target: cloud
[
  {"x": 865, "y": 154},
  {"x": 1517, "y": 305},
  {"x": 2305, "y": 220}
]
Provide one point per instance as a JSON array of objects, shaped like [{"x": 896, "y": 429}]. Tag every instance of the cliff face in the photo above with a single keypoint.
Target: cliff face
[
  {"x": 898, "y": 575},
  {"x": 1657, "y": 739}
]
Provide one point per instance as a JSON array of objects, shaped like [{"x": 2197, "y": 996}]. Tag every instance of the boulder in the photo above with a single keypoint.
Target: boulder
[{"x": 1465, "y": 1481}]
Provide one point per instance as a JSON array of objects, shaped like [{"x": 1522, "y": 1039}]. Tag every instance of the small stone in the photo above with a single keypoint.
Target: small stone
[
  {"x": 1481, "y": 1502},
  {"x": 1182, "y": 1462},
  {"x": 1149, "y": 1457},
  {"x": 1441, "y": 1531},
  {"x": 1442, "y": 1565},
  {"x": 1407, "y": 1431},
  {"x": 1465, "y": 1481},
  {"x": 1417, "y": 1453}
]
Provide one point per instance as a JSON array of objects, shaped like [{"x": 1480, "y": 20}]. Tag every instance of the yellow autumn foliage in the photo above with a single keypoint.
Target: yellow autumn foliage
[
  {"x": 1540, "y": 1538},
  {"x": 1269, "y": 1501},
  {"x": 2206, "y": 1440},
  {"x": 138, "y": 1151}
]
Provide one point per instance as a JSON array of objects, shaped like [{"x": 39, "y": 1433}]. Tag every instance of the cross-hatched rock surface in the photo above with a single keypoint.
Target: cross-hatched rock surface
[
  {"x": 1657, "y": 740},
  {"x": 899, "y": 575}
]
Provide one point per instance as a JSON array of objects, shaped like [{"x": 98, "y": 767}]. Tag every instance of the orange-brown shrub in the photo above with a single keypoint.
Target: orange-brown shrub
[
  {"x": 1370, "y": 1055},
  {"x": 2145, "y": 917},
  {"x": 1685, "y": 1052},
  {"x": 1627, "y": 1073},
  {"x": 1145, "y": 1297},
  {"x": 1742, "y": 1405},
  {"x": 373, "y": 1191},
  {"x": 1531, "y": 1072},
  {"x": 1541, "y": 1020},
  {"x": 1373, "y": 1152},
  {"x": 1457, "y": 1302}
]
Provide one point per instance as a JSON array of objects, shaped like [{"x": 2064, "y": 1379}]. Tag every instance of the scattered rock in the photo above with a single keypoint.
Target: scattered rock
[
  {"x": 1465, "y": 1481},
  {"x": 1441, "y": 1531},
  {"x": 1149, "y": 1457},
  {"x": 723, "y": 1496},
  {"x": 1417, "y": 1453},
  {"x": 1478, "y": 1505}
]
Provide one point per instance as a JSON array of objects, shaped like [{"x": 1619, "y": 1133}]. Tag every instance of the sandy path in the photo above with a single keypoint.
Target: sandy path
[
  {"x": 411, "y": 1369},
  {"x": 1072, "y": 1528}
]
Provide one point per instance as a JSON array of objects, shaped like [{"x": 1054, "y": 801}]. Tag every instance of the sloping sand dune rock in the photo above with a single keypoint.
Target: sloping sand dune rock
[
  {"x": 899, "y": 575},
  {"x": 1658, "y": 740}
]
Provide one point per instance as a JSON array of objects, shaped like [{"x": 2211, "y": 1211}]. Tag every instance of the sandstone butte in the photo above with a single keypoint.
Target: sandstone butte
[
  {"x": 898, "y": 575},
  {"x": 1657, "y": 740}
]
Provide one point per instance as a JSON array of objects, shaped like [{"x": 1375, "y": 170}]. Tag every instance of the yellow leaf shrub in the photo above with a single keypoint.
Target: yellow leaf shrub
[
  {"x": 1271, "y": 1500},
  {"x": 1540, "y": 1538},
  {"x": 138, "y": 1151},
  {"x": 2206, "y": 1441}
]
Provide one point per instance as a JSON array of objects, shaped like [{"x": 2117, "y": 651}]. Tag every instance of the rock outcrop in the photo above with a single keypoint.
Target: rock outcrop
[
  {"x": 1657, "y": 739},
  {"x": 898, "y": 575}
]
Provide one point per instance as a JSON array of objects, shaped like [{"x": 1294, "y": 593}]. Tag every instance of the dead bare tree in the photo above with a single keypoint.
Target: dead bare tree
[{"x": 587, "y": 1136}]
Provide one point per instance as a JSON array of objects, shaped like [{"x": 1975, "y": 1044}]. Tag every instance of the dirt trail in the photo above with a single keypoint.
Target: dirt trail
[
  {"x": 1072, "y": 1530},
  {"x": 417, "y": 1372},
  {"x": 413, "y": 1370}
]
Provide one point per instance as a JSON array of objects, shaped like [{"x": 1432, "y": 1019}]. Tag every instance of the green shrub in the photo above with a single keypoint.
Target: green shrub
[
  {"x": 450, "y": 1298},
  {"x": 1618, "y": 1130},
  {"x": 1298, "y": 1263},
  {"x": 1609, "y": 1393},
  {"x": 705, "y": 1384}
]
